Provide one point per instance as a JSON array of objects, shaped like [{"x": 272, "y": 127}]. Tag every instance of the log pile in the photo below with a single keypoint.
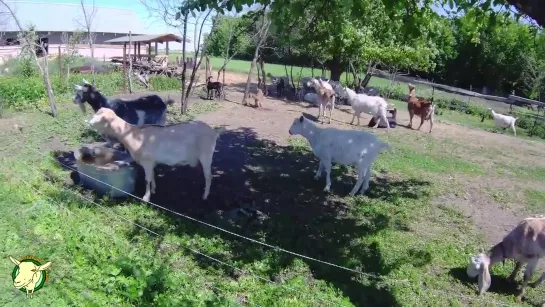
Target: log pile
[{"x": 151, "y": 67}]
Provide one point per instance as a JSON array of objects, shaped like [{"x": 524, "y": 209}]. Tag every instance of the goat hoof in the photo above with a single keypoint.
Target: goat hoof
[
  {"x": 326, "y": 189},
  {"x": 316, "y": 177}
]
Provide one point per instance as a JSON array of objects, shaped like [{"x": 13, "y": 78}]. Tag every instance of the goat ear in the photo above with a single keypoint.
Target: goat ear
[
  {"x": 77, "y": 87},
  {"x": 484, "y": 279},
  {"x": 15, "y": 261},
  {"x": 301, "y": 118},
  {"x": 44, "y": 266}
]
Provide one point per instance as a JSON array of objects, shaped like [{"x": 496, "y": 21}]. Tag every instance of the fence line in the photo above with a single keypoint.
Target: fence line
[
  {"x": 439, "y": 292},
  {"x": 510, "y": 99}
]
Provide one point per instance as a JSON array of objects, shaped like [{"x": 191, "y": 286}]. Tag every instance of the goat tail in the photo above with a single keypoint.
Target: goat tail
[{"x": 169, "y": 101}]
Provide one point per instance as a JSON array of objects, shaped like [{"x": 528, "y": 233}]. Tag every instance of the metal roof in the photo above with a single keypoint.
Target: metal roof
[
  {"x": 65, "y": 17},
  {"x": 160, "y": 38}
]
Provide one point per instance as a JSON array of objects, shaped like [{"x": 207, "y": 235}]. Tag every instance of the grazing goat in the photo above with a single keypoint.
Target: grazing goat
[
  {"x": 421, "y": 107},
  {"x": 325, "y": 97},
  {"x": 213, "y": 87},
  {"x": 361, "y": 103},
  {"x": 346, "y": 147},
  {"x": 181, "y": 144},
  {"x": 504, "y": 121},
  {"x": 29, "y": 275},
  {"x": 525, "y": 244},
  {"x": 146, "y": 110},
  {"x": 257, "y": 97},
  {"x": 280, "y": 83}
]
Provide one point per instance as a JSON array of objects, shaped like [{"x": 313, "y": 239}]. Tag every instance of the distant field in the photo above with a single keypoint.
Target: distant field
[{"x": 240, "y": 66}]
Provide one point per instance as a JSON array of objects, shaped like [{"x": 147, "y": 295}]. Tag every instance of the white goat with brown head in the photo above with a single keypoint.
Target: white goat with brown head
[
  {"x": 525, "y": 244},
  {"x": 29, "y": 275}
]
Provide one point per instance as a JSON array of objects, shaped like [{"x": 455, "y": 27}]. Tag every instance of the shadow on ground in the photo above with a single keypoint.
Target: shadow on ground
[{"x": 297, "y": 215}]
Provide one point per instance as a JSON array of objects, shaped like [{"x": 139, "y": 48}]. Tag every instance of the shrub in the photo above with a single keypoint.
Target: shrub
[{"x": 20, "y": 92}]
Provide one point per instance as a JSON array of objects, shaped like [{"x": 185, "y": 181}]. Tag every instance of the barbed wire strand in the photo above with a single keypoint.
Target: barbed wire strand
[
  {"x": 462, "y": 296},
  {"x": 162, "y": 236},
  {"x": 268, "y": 245},
  {"x": 109, "y": 234},
  {"x": 212, "y": 226}
]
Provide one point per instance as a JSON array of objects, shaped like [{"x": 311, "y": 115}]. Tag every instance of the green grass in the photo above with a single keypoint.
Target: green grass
[
  {"x": 396, "y": 231},
  {"x": 535, "y": 200}
]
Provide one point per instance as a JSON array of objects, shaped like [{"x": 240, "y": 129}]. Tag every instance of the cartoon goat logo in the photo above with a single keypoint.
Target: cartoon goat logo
[{"x": 29, "y": 275}]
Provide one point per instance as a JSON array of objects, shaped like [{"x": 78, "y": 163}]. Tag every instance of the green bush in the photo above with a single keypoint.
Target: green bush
[{"x": 20, "y": 91}]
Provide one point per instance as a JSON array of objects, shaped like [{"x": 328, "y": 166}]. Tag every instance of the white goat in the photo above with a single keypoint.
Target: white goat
[
  {"x": 325, "y": 96},
  {"x": 504, "y": 121},
  {"x": 181, "y": 144},
  {"x": 346, "y": 147},
  {"x": 361, "y": 103},
  {"x": 525, "y": 244},
  {"x": 29, "y": 275}
]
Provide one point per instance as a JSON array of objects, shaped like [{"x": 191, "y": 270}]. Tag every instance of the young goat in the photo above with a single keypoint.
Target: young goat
[
  {"x": 421, "y": 107},
  {"x": 257, "y": 97},
  {"x": 525, "y": 244},
  {"x": 361, "y": 103},
  {"x": 346, "y": 147},
  {"x": 213, "y": 88},
  {"x": 325, "y": 97},
  {"x": 181, "y": 144},
  {"x": 504, "y": 121}
]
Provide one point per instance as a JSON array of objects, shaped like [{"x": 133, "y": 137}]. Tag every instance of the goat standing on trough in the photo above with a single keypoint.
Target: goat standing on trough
[
  {"x": 146, "y": 110},
  {"x": 181, "y": 144},
  {"x": 503, "y": 121},
  {"x": 213, "y": 88},
  {"x": 346, "y": 147},
  {"x": 325, "y": 96},
  {"x": 421, "y": 107},
  {"x": 361, "y": 103},
  {"x": 525, "y": 244}
]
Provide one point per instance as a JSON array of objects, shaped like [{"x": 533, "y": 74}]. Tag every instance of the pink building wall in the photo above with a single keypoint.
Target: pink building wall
[{"x": 101, "y": 51}]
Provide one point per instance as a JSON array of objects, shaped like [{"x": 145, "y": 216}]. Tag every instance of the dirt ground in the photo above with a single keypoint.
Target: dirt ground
[
  {"x": 267, "y": 130},
  {"x": 491, "y": 217}
]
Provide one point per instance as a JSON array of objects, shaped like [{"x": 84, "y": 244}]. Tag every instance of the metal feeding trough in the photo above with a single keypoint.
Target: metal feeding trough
[{"x": 113, "y": 167}]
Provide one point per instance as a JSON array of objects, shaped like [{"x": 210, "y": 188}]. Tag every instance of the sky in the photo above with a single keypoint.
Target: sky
[{"x": 153, "y": 24}]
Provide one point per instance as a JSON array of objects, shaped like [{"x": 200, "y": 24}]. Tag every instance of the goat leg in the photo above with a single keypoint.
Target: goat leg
[
  {"x": 327, "y": 167},
  {"x": 411, "y": 115},
  {"x": 539, "y": 281},
  {"x": 353, "y": 117},
  {"x": 148, "y": 171},
  {"x": 319, "y": 171},
  {"x": 513, "y": 275},
  {"x": 530, "y": 269}
]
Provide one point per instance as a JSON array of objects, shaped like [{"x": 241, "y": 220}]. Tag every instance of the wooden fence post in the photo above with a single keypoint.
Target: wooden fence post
[
  {"x": 60, "y": 63},
  {"x": 124, "y": 68}
]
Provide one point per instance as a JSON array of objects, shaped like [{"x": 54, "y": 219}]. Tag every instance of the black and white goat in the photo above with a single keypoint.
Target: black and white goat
[{"x": 146, "y": 110}]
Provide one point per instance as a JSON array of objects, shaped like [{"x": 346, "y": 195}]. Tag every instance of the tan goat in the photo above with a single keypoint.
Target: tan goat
[
  {"x": 182, "y": 144},
  {"x": 258, "y": 97},
  {"x": 525, "y": 244}
]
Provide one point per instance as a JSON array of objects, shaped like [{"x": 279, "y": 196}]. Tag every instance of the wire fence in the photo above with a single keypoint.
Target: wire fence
[{"x": 382, "y": 279}]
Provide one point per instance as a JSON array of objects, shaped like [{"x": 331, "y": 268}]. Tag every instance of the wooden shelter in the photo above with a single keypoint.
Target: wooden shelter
[{"x": 138, "y": 40}]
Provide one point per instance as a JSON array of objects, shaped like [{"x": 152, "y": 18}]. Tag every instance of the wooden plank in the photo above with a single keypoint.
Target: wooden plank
[{"x": 519, "y": 99}]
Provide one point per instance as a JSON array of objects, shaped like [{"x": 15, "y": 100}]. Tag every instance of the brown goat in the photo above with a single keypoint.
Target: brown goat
[
  {"x": 258, "y": 97},
  {"x": 420, "y": 107}
]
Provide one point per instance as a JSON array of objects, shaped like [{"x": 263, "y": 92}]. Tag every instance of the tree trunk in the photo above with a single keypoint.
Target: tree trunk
[
  {"x": 262, "y": 64},
  {"x": 263, "y": 32},
  {"x": 258, "y": 74},
  {"x": 184, "y": 63},
  {"x": 247, "y": 88},
  {"x": 336, "y": 70}
]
